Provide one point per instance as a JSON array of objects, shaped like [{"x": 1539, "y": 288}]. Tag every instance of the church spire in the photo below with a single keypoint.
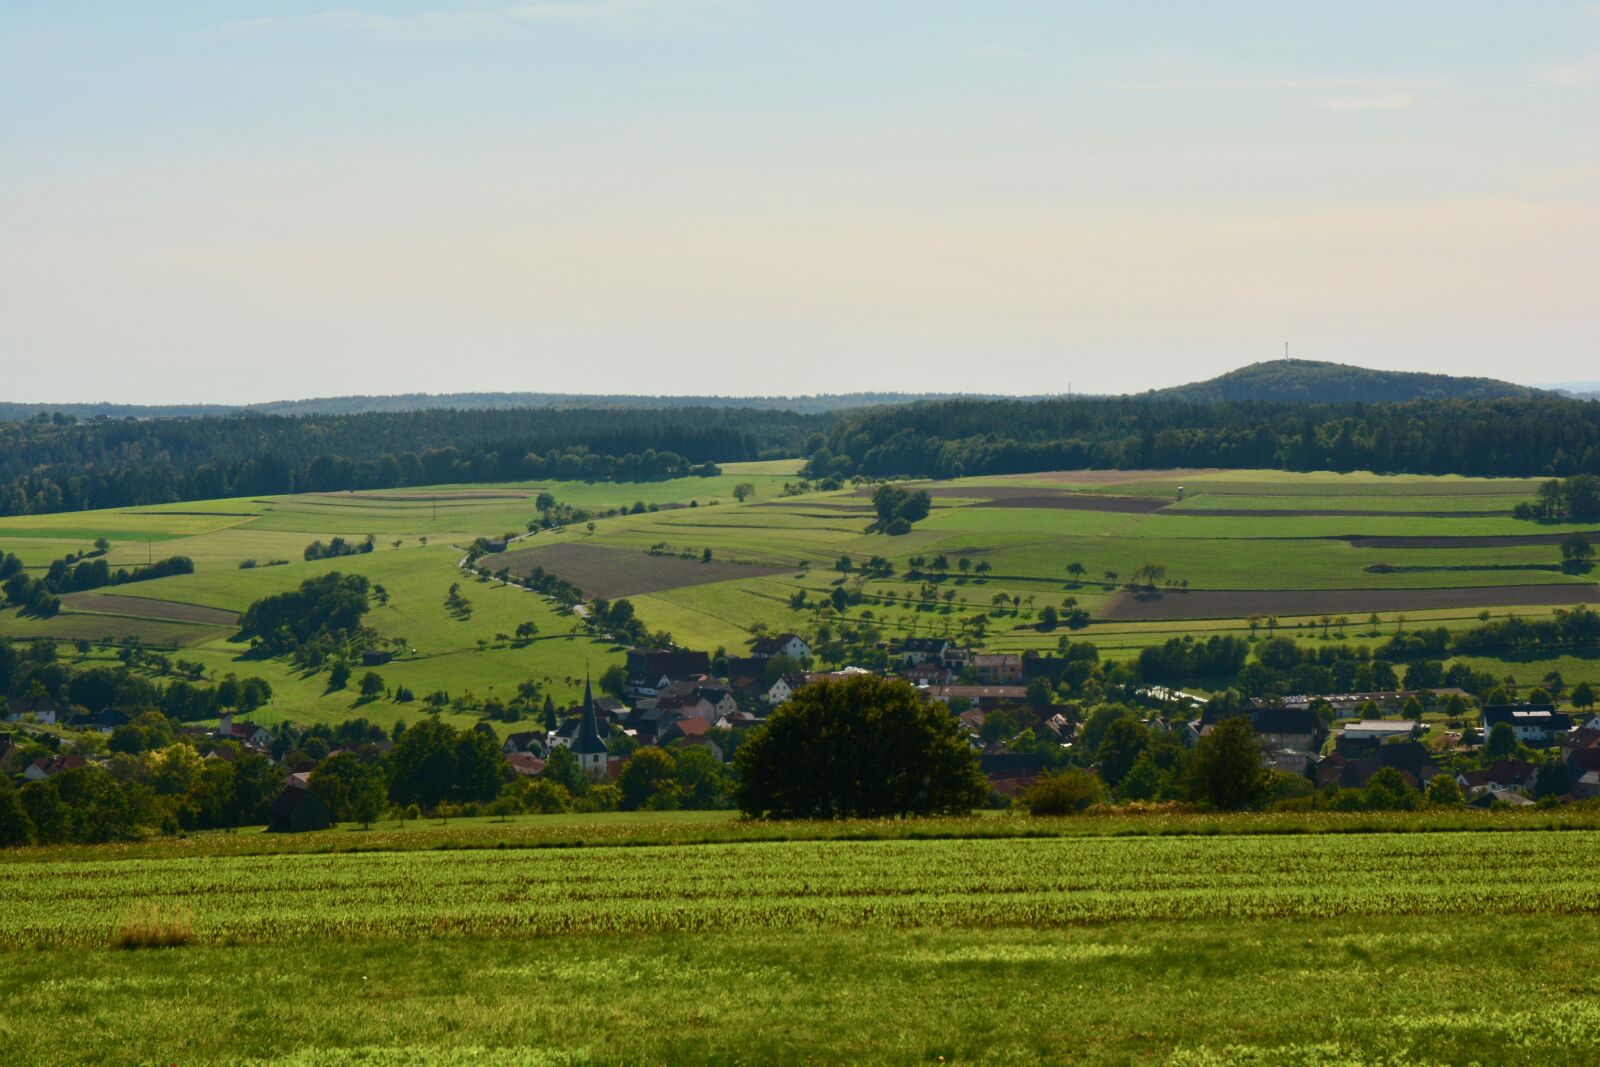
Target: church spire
[{"x": 589, "y": 742}]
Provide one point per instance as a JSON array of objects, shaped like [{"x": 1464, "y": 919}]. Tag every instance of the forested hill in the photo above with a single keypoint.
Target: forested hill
[
  {"x": 1511, "y": 437},
  {"x": 52, "y": 466},
  {"x": 1308, "y": 381}
]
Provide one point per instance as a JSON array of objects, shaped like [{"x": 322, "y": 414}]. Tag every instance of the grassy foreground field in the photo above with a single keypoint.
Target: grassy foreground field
[{"x": 1198, "y": 948}]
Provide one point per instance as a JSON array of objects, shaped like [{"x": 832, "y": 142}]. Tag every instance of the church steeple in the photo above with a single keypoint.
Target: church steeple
[{"x": 588, "y": 746}]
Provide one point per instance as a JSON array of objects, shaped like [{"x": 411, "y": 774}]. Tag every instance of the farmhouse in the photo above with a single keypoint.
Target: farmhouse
[
  {"x": 248, "y": 734},
  {"x": 525, "y": 741},
  {"x": 651, "y": 669},
  {"x": 525, "y": 765},
  {"x": 915, "y": 650},
  {"x": 50, "y": 766},
  {"x": 103, "y": 721},
  {"x": 44, "y": 710},
  {"x": 982, "y": 696},
  {"x": 782, "y": 645},
  {"x": 997, "y": 668},
  {"x": 1376, "y": 730},
  {"x": 1534, "y": 724}
]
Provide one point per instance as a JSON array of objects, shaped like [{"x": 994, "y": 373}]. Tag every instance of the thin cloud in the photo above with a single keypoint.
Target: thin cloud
[
  {"x": 1574, "y": 75},
  {"x": 445, "y": 24},
  {"x": 1379, "y": 102}
]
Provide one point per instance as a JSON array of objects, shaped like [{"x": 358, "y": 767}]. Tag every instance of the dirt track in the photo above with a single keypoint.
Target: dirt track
[
  {"x": 617, "y": 572},
  {"x": 1240, "y": 604},
  {"x": 146, "y": 608}
]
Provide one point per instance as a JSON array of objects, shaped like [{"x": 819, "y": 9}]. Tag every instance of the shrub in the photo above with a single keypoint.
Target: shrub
[{"x": 1067, "y": 793}]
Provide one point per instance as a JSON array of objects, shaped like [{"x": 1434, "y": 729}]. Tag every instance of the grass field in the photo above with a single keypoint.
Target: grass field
[
  {"x": 1107, "y": 946},
  {"x": 1437, "y": 551}
]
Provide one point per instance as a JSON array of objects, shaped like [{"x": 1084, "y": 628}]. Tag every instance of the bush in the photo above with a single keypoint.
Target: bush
[{"x": 1067, "y": 793}]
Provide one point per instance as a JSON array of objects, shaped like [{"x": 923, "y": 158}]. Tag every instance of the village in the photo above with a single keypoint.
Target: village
[{"x": 1011, "y": 708}]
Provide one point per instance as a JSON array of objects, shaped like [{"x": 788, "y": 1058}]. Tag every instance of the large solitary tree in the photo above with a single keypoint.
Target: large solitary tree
[
  {"x": 1226, "y": 770},
  {"x": 866, "y": 747}
]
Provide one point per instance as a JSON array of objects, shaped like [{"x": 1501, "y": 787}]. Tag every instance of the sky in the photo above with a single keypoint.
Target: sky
[{"x": 229, "y": 201}]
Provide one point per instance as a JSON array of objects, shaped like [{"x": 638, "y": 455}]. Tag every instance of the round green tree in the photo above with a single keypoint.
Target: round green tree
[{"x": 866, "y": 748}]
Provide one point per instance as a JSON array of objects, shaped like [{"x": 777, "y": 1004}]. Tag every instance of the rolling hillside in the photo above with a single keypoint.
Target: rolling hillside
[{"x": 1316, "y": 382}]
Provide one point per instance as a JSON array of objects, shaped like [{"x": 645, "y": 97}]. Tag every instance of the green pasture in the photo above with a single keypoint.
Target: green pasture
[{"x": 1306, "y": 949}]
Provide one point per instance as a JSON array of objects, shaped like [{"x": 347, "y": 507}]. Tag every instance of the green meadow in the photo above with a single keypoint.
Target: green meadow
[
  {"x": 676, "y": 939},
  {"x": 1267, "y": 543}
]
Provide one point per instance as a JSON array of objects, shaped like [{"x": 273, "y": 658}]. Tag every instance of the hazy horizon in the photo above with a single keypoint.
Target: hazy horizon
[{"x": 229, "y": 201}]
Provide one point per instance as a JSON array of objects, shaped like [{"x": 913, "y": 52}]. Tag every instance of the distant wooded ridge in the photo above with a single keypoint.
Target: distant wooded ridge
[
  {"x": 402, "y": 402},
  {"x": 1283, "y": 380}
]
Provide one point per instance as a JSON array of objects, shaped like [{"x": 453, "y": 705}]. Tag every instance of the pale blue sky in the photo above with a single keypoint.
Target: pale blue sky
[{"x": 238, "y": 201}]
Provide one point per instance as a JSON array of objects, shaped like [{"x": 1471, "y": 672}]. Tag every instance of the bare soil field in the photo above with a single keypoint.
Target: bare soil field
[
  {"x": 1334, "y": 513},
  {"x": 146, "y": 608},
  {"x": 1507, "y": 541},
  {"x": 1240, "y": 604},
  {"x": 1133, "y": 505},
  {"x": 1103, "y": 477},
  {"x": 619, "y": 572}
]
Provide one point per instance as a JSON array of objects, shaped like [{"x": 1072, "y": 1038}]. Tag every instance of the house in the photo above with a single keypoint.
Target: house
[
  {"x": 673, "y": 663},
  {"x": 997, "y": 668},
  {"x": 50, "y": 766},
  {"x": 1299, "y": 730},
  {"x": 1411, "y": 758},
  {"x": 689, "y": 705},
  {"x": 1376, "y": 730},
  {"x": 721, "y": 699},
  {"x": 915, "y": 650},
  {"x": 1500, "y": 776},
  {"x": 1347, "y": 703},
  {"x": 494, "y": 544},
  {"x": 101, "y": 722},
  {"x": 298, "y": 809},
  {"x": 1500, "y": 796},
  {"x": 248, "y": 734},
  {"x": 928, "y": 674},
  {"x": 1533, "y": 724},
  {"x": 44, "y": 710},
  {"x": 982, "y": 696},
  {"x": 526, "y": 741},
  {"x": 588, "y": 745},
  {"x": 790, "y": 645},
  {"x": 525, "y": 765},
  {"x": 781, "y": 690},
  {"x": 1009, "y": 772}
]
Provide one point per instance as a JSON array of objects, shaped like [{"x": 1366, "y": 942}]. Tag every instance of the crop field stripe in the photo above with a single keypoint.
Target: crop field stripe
[{"x": 827, "y": 884}]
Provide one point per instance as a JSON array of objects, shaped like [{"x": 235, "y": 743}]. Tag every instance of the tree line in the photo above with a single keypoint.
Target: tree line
[
  {"x": 49, "y": 466},
  {"x": 1495, "y": 438}
]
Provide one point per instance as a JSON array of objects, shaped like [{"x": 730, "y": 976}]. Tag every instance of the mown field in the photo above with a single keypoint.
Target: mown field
[
  {"x": 1297, "y": 547},
  {"x": 1187, "y": 948}
]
